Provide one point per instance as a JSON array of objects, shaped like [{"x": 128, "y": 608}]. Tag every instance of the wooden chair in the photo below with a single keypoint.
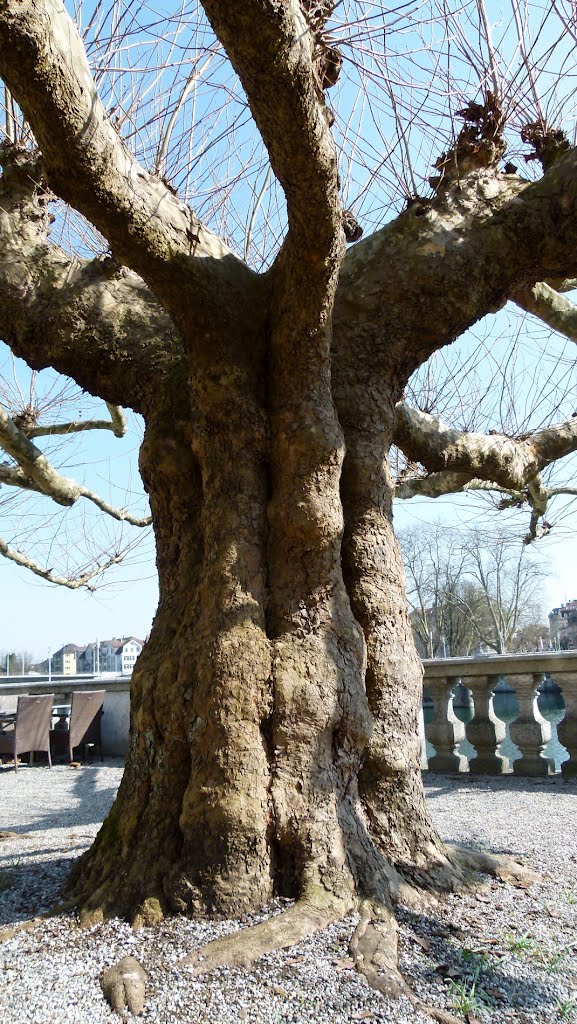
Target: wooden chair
[
  {"x": 31, "y": 730},
  {"x": 85, "y": 718}
]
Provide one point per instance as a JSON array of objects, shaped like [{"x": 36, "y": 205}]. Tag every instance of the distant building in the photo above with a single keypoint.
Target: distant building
[
  {"x": 117, "y": 655},
  {"x": 64, "y": 660},
  {"x": 563, "y": 626}
]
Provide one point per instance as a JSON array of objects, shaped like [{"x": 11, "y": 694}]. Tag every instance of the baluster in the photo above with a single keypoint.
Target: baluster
[
  {"x": 439, "y": 730},
  {"x": 423, "y": 738},
  {"x": 481, "y": 730},
  {"x": 567, "y": 729},
  {"x": 503, "y": 712},
  {"x": 460, "y": 714},
  {"x": 550, "y": 712},
  {"x": 526, "y": 731}
]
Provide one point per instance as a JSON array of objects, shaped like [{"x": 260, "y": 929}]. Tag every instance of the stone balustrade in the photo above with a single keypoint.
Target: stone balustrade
[{"x": 501, "y": 714}]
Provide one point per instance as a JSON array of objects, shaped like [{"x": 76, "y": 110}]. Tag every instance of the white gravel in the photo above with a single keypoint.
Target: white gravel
[{"x": 500, "y": 956}]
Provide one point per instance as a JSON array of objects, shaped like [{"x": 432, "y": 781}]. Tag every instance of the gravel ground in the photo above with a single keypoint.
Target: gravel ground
[{"x": 500, "y": 956}]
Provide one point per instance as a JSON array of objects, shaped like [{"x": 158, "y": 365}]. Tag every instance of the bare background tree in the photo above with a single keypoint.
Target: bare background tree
[
  {"x": 204, "y": 180},
  {"x": 15, "y": 663},
  {"x": 469, "y": 589}
]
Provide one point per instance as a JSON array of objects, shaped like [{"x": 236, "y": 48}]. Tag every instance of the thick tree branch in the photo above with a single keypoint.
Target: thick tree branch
[
  {"x": 43, "y": 61},
  {"x": 270, "y": 42},
  {"x": 551, "y": 307},
  {"x": 13, "y": 476},
  {"x": 433, "y": 485},
  {"x": 91, "y": 320},
  {"x": 436, "y": 485},
  {"x": 510, "y": 463},
  {"x": 468, "y": 251}
]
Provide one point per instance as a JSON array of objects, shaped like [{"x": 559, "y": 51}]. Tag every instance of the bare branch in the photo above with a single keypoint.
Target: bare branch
[
  {"x": 190, "y": 83},
  {"x": 510, "y": 463},
  {"x": 34, "y": 464},
  {"x": 118, "y": 420},
  {"x": 116, "y": 423},
  {"x": 492, "y": 230},
  {"x": 43, "y": 62},
  {"x": 555, "y": 491},
  {"x": 121, "y": 514},
  {"x": 73, "y": 583},
  {"x": 17, "y": 478},
  {"x": 36, "y": 473},
  {"x": 535, "y": 495}
]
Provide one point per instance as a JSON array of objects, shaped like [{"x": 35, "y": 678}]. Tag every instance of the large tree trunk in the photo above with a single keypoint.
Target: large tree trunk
[
  {"x": 249, "y": 715},
  {"x": 190, "y": 826}
]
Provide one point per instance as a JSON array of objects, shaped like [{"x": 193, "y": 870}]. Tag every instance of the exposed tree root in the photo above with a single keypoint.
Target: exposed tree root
[
  {"x": 26, "y": 926},
  {"x": 455, "y": 870},
  {"x": 22, "y": 926},
  {"x": 373, "y": 948},
  {"x": 310, "y": 914},
  {"x": 499, "y": 865}
]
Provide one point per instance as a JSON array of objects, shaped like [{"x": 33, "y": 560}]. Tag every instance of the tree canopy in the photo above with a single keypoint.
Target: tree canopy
[{"x": 413, "y": 79}]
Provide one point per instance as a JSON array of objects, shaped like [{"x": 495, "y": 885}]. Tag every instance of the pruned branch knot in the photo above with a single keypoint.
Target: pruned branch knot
[
  {"x": 479, "y": 144},
  {"x": 549, "y": 144}
]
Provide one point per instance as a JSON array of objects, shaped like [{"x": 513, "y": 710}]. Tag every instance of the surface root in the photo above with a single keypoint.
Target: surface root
[
  {"x": 306, "y": 916},
  {"x": 373, "y": 948},
  {"x": 499, "y": 865}
]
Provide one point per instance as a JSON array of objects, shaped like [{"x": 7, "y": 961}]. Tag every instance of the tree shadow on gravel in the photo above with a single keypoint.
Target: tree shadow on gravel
[
  {"x": 439, "y": 785},
  {"x": 86, "y": 802},
  {"x": 26, "y": 891},
  {"x": 32, "y": 872},
  {"x": 471, "y": 966}
]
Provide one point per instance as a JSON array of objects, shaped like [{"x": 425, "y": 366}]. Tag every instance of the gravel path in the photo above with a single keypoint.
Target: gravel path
[{"x": 501, "y": 956}]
